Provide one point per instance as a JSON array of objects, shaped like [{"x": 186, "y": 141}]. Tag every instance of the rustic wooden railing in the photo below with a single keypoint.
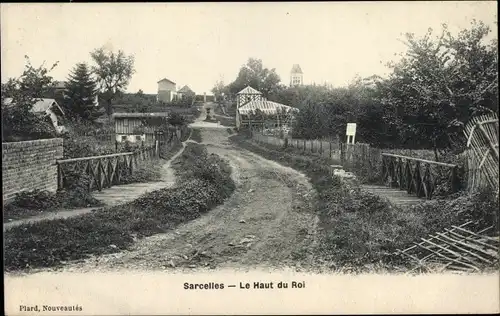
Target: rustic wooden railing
[
  {"x": 417, "y": 176},
  {"x": 102, "y": 171}
]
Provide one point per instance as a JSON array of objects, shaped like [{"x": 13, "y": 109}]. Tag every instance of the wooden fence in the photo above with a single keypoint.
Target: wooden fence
[
  {"x": 101, "y": 171},
  {"x": 482, "y": 152},
  {"x": 422, "y": 177},
  {"x": 417, "y": 176},
  {"x": 323, "y": 148}
]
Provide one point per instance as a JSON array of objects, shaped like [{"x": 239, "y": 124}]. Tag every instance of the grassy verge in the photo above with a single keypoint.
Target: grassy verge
[
  {"x": 360, "y": 231},
  {"x": 147, "y": 171},
  {"x": 225, "y": 121},
  {"x": 204, "y": 182},
  {"x": 196, "y": 135},
  {"x": 36, "y": 202},
  {"x": 167, "y": 152}
]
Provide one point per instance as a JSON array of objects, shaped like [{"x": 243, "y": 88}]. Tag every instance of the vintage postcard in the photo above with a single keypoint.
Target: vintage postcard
[{"x": 250, "y": 158}]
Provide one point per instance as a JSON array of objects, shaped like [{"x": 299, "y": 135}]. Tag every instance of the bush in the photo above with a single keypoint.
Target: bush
[
  {"x": 147, "y": 171},
  {"x": 359, "y": 229},
  {"x": 31, "y": 203},
  {"x": 51, "y": 243},
  {"x": 196, "y": 135}
]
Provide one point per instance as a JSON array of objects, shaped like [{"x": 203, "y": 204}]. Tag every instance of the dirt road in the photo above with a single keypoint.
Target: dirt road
[{"x": 267, "y": 223}]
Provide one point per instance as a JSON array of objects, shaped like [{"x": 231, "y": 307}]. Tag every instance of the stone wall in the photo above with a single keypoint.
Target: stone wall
[{"x": 30, "y": 165}]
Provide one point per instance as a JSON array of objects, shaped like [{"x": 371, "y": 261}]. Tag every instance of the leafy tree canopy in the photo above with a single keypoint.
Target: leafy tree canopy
[{"x": 113, "y": 71}]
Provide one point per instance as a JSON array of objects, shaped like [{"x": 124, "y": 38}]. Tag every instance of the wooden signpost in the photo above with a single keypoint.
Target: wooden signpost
[{"x": 351, "y": 133}]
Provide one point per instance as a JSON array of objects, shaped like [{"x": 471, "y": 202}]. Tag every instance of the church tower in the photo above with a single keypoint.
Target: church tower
[{"x": 296, "y": 76}]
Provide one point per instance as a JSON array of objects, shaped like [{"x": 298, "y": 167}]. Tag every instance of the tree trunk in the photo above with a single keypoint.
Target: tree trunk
[{"x": 109, "y": 108}]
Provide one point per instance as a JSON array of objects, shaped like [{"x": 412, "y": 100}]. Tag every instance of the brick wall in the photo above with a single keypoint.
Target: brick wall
[{"x": 30, "y": 165}]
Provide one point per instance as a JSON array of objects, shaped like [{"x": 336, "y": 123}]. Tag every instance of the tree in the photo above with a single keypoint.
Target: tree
[
  {"x": 439, "y": 84},
  {"x": 81, "y": 93},
  {"x": 113, "y": 71},
  {"x": 255, "y": 75},
  {"x": 219, "y": 89},
  {"x": 18, "y": 120}
]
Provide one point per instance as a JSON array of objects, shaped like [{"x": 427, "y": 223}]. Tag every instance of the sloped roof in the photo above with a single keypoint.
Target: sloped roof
[
  {"x": 141, "y": 114},
  {"x": 165, "y": 79},
  {"x": 40, "y": 106},
  {"x": 185, "y": 89},
  {"x": 268, "y": 107},
  {"x": 249, "y": 90},
  {"x": 296, "y": 69}
]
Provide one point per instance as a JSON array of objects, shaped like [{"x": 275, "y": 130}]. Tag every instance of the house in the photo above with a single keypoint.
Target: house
[
  {"x": 166, "y": 90},
  {"x": 138, "y": 127},
  {"x": 185, "y": 92},
  {"x": 296, "y": 76},
  {"x": 48, "y": 107}
]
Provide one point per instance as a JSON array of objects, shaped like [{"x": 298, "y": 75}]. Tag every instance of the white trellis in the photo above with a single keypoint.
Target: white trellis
[
  {"x": 248, "y": 94},
  {"x": 261, "y": 113}
]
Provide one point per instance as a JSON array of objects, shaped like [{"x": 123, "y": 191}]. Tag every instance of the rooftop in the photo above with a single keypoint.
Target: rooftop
[
  {"x": 140, "y": 114},
  {"x": 165, "y": 79},
  {"x": 41, "y": 105},
  {"x": 185, "y": 89},
  {"x": 249, "y": 90},
  {"x": 296, "y": 69},
  {"x": 268, "y": 107}
]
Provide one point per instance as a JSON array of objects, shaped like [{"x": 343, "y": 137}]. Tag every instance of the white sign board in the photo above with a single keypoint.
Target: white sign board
[{"x": 351, "y": 129}]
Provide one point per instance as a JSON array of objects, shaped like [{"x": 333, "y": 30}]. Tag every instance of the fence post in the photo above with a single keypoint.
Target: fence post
[
  {"x": 400, "y": 173},
  {"x": 454, "y": 179},
  {"x": 330, "y": 154},
  {"x": 418, "y": 180},
  {"x": 342, "y": 154},
  {"x": 116, "y": 146}
]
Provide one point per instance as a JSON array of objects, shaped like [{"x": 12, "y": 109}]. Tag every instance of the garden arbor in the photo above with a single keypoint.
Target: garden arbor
[
  {"x": 247, "y": 95},
  {"x": 266, "y": 115}
]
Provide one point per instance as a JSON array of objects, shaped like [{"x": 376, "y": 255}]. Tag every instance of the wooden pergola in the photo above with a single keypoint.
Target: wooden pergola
[
  {"x": 247, "y": 95},
  {"x": 262, "y": 114}
]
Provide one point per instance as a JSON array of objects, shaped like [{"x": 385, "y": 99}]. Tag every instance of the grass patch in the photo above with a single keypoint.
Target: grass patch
[
  {"x": 36, "y": 202},
  {"x": 224, "y": 120},
  {"x": 196, "y": 135},
  {"x": 205, "y": 181},
  {"x": 168, "y": 151},
  {"x": 147, "y": 171},
  {"x": 360, "y": 230}
]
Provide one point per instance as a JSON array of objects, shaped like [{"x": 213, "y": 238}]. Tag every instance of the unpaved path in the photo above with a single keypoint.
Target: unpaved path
[
  {"x": 268, "y": 222},
  {"x": 113, "y": 196}
]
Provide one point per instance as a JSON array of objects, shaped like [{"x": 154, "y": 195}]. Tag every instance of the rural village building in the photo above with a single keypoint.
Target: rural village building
[
  {"x": 138, "y": 127},
  {"x": 167, "y": 91},
  {"x": 185, "y": 92},
  {"x": 296, "y": 76},
  {"x": 46, "y": 107}
]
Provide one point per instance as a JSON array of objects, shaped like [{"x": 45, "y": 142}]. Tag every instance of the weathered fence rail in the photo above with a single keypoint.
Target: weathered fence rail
[
  {"x": 417, "y": 176},
  {"x": 320, "y": 147},
  {"x": 101, "y": 171}
]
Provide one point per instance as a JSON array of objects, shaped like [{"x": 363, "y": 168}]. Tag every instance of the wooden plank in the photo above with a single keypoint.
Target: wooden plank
[
  {"x": 448, "y": 258},
  {"x": 421, "y": 160},
  {"x": 62, "y": 161}
]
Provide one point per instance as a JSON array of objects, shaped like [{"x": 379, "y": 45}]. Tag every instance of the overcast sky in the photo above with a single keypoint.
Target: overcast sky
[{"x": 199, "y": 43}]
